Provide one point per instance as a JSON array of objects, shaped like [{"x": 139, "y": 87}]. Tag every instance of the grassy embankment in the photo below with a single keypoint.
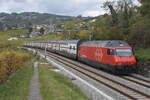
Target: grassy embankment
[
  {"x": 15, "y": 75},
  {"x": 17, "y": 87},
  {"x": 55, "y": 86},
  {"x": 15, "y": 67}
]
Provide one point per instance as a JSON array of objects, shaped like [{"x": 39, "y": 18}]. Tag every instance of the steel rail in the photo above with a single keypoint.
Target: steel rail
[{"x": 83, "y": 72}]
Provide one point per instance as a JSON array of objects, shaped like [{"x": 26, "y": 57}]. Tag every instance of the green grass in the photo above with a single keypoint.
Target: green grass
[
  {"x": 55, "y": 86},
  {"x": 143, "y": 54},
  {"x": 11, "y": 33},
  {"x": 4, "y": 35},
  {"x": 17, "y": 87}
]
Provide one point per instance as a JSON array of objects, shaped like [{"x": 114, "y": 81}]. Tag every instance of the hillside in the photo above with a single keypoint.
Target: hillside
[{"x": 25, "y": 18}]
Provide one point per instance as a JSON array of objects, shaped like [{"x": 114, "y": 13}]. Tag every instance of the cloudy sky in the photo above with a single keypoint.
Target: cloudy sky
[{"x": 60, "y": 7}]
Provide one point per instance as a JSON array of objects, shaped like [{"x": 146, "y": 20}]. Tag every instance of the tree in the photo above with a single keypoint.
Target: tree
[
  {"x": 42, "y": 30},
  {"x": 122, "y": 14},
  {"x": 145, "y": 7},
  {"x": 113, "y": 12},
  {"x": 79, "y": 16},
  {"x": 140, "y": 33},
  {"x": 8, "y": 26},
  {"x": 125, "y": 12},
  {"x": 29, "y": 31},
  {"x": 1, "y": 26},
  {"x": 84, "y": 34}
]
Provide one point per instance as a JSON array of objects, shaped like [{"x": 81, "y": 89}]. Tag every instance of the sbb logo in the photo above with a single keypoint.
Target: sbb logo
[{"x": 98, "y": 54}]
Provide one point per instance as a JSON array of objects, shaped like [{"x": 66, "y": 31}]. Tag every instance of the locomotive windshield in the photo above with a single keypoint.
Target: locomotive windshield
[{"x": 124, "y": 52}]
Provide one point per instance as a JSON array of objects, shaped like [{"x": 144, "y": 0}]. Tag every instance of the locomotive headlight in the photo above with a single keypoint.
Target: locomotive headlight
[
  {"x": 119, "y": 63},
  {"x": 132, "y": 63}
]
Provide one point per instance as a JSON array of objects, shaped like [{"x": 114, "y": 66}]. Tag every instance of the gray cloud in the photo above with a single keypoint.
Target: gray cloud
[{"x": 63, "y": 7}]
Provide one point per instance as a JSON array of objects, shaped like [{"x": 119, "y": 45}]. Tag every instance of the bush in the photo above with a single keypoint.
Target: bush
[
  {"x": 11, "y": 61},
  {"x": 140, "y": 33},
  {"x": 107, "y": 33},
  {"x": 143, "y": 54}
]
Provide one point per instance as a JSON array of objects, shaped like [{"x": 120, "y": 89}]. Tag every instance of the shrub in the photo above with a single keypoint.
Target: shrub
[{"x": 11, "y": 61}]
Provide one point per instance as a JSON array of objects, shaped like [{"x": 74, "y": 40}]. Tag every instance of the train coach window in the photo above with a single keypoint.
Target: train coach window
[
  {"x": 111, "y": 52},
  {"x": 70, "y": 47},
  {"x": 74, "y": 48}
]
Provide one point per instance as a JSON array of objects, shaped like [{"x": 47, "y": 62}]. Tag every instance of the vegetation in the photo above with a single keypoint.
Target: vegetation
[
  {"x": 11, "y": 58},
  {"x": 16, "y": 20},
  {"x": 42, "y": 31},
  {"x": 7, "y": 45},
  {"x": 11, "y": 33},
  {"x": 17, "y": 87},
  {"x": 143, "y": 54},
  {"x": 10, "y": 62},
  {"x": 55, "y": 86}
]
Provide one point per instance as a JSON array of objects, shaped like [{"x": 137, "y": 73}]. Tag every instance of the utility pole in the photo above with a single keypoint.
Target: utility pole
[
  {"x": 91, "y": 35},
  {"x": 45, "y": 50}
]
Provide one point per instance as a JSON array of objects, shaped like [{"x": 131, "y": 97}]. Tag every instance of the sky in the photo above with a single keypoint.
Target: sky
[{"x": 59, "y": 7}]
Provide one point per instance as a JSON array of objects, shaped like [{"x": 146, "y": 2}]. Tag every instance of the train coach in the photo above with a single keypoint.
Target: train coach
[{"x": 115, "y": 56}]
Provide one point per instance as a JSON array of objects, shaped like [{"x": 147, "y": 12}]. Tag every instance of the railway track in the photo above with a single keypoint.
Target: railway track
[
  {"x": 139, "y": 78},
  {"x": 135, "y": 79},
  {"x": 123, "y": 89}
]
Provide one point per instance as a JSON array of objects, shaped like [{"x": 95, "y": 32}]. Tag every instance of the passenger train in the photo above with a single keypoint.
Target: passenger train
[{"x": 112, "y": 55}]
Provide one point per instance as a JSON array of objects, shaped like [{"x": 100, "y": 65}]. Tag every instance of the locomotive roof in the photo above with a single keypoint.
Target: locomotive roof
[{"x": 108, "y": 43}]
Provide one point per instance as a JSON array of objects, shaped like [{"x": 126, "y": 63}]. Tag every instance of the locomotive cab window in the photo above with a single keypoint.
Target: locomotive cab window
[
  {"x": 124, "y": 52},
  {"x": 111, "y": 52}
]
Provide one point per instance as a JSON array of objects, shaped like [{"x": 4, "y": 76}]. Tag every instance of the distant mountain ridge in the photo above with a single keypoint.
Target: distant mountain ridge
[{"x": 32, "y": 17}]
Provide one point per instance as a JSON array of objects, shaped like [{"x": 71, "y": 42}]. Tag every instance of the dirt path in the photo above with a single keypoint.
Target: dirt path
[{"x": 34, "y": 85}]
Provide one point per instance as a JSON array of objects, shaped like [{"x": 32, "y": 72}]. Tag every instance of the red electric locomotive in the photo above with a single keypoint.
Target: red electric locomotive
[{"x": 116, "y": 56}]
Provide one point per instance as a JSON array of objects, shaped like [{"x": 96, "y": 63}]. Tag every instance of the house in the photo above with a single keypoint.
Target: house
[{"x": 12, "y": 38}]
